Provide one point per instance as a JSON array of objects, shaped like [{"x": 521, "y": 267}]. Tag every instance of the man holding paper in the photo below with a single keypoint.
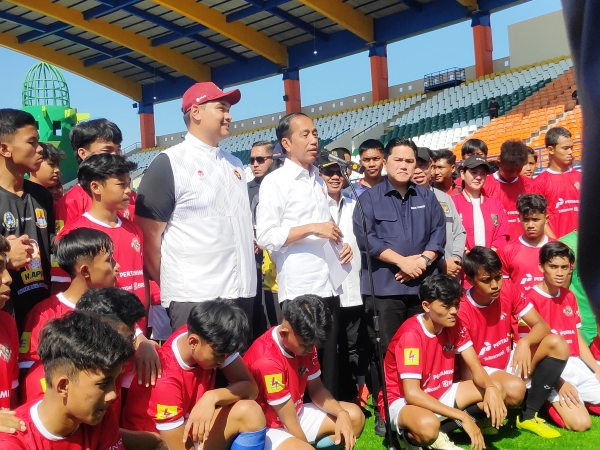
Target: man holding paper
[
  {"x": 406, "y": 230},
  {"x": 294, "y": 224}
]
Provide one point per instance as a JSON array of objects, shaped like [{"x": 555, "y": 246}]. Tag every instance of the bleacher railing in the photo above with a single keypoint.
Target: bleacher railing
[
  {"x": 543, "y": 159},
  {"x": 449, "y": 77}
]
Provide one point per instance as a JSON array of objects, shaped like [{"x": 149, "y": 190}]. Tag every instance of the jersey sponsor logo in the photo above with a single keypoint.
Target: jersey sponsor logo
[
  {"x": 5, "y": 393},
  {"x": 5, "y": 352},
  {"x": 135, "y": 244},
  {"x": 559, "y": 203},
  {"x": 59, "y": 225},
  {"x": 33, "y": 270},
  {"x": 40, "y": 218},
  {"x": 445, "y": 207},
  {"x": 495, "y": 219},
  {"x": 527, "y": 278},
  {"x": 577, "y": 185},
  {"x": 10, "y": 223},
  {"x": 274, "y": 383},
  {"x": 237, "y": 174},
  {"x": 411, "y": 356},
  {"x": 165, "y": 412},
  {"x": 25, "y": 343},
  {"x": 568, "y": 311},
  {"x": 486, "y": 348},
  {"x": 117, "y": 446},
  {"x": 503, "y": 316}
]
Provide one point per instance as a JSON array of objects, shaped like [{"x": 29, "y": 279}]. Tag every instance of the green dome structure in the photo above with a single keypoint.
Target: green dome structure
[{"x": 45, "y": 95}]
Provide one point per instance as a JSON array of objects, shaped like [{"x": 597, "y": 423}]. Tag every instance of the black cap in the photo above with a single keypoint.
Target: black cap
[
  {"x": 475, "y": 161},
  {"x": 278, "y": 152},
  {"x": 322, "y": 160},
  {"x": 423, "y": 153}
]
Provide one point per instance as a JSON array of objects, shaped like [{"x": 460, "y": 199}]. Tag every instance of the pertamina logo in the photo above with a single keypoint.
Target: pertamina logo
[
  {"x": 527, "y": 278},
  {"x": 486, "y": 348},
  {"x": 411, "y": 356},
  {"x": 274, "y": 383}
]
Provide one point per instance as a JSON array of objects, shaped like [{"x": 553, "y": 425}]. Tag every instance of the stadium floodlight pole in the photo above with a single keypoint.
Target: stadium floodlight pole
[{"x": 386, "y": 406}]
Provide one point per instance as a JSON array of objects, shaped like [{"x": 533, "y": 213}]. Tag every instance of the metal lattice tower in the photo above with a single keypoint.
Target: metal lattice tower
[{"x": 44, "y": 85}]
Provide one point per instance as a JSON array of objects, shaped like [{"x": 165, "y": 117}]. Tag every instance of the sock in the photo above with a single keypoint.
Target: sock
[
  {"x": 449, "y": 425},
  {"x": 475, "y": 413},
  {"x": 543, "y": 379},
  {"x": 250, "y": 441},
  {"x": 325, "y": 442},
  {"x": 360, "y": 380}
]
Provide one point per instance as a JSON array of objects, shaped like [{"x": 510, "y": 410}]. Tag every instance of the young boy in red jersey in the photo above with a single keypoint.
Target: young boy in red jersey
[
  {"x": 284, "y": 364},
  {"x": 82, "y": 357},
  {"x": 419, "y": 371},
  {"x": 560, "y": 184},
  {"x": 9, "y": 338},
  {"x": 579, "y": 384},
  {"x": 105, "y": 178},
  {"x": 184, "y": 405},
  {"x": 48, "y": 173},
  {"x": 528, "y": 170},
  {"x": 88, "y": 138},
  {"x": 539, "y": 357},
  {"x": 507, "y": 184}
]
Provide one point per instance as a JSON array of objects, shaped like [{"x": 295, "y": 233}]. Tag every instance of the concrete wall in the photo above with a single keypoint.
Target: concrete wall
[{"x": 538, "y": 39}]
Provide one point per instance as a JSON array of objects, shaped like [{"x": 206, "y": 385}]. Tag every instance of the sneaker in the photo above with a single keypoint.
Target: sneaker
[
  {"x": 554, "y": 415},
  {"x": 443, "y": 442},
  {"x": 594, "y": 409},
  {"x": 405, "y": 444},
  {"x": 537, "y": 426},
  {"x": 379, "y": 426},
  {"x": 363, "y": 396}
]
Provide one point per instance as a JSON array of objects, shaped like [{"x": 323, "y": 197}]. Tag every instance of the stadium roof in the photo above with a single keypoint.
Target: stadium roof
[{"x": 153, "y": 50}]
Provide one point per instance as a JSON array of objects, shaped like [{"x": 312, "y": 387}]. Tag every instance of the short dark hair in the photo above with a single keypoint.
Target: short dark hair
[
  {"x": 471, "y": 146},
  {"x": 79, "y": 341},
  {"x": 11, "y": 120},
  {"x": 533, "y": 153},
  {"x": 397, "y": 142},
  {"x": 221, "y": 323},
  {"x": 532, "y": 204},
  {"x": 481, "y": 258},
  {"x": 51, "y": 153},
  {"x": 555, "y": 249},
  {"x": 440, "y": 287},
  {"x": 101, "y": 167},
  {"x": 81, "y": 243},
  {"x": 84, "y": 134},
  {"x": 513, "y": 152},
  {"x": 443, "y": 154},
  {"x": 370, "y": 144},
  {"x": 310, "y": 318},
  {"x": 283, "y": 127},
  {"x": 554, "y": 134},
  {"x": 268, "y": 145},
  {"x": 4, "y": 245},
  {"x": 113, "y": 303}
]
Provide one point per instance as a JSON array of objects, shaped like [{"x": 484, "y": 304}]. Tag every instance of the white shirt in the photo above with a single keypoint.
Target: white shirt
[
  {"x": 290, "y": 197},
  {"x": 342, "y": 216},
  {"x": 478, "y": 223},
  {"x": 207, "y": 248}
]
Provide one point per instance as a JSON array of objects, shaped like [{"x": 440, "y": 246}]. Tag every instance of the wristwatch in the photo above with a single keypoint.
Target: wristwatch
[{"x": 427, "y": 260}]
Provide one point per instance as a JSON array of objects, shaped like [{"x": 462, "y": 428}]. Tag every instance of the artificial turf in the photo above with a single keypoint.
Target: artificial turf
[{"x": 509, "y": 438}]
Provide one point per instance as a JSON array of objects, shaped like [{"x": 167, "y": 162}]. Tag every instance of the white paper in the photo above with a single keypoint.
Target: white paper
[{"x": 337, "y": 271}]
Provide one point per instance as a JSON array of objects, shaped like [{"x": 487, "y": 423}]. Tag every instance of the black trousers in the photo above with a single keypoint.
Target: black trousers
[
  {"x": 393, "y": 311},
  {"x": 259, "y": 319},
  {"x": 273, "y": 308},
  {"x": 353, "y": 350}
]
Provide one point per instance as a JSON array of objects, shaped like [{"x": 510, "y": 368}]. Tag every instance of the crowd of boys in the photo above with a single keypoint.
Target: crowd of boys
[{"x": 475, "y": 272}]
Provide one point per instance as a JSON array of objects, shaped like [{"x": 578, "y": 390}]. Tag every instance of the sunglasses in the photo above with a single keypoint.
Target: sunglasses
[
  {"x": 329, "y": 172},
  {"x": 259, "y": 159}
]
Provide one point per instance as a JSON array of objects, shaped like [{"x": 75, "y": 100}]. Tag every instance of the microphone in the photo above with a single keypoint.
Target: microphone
[{"x": 342, "y": 162}]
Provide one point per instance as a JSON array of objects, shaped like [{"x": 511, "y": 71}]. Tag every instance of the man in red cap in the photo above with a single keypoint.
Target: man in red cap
[{"x": 194, "y": 211}]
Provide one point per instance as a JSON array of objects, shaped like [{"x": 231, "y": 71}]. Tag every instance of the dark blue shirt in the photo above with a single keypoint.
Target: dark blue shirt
[{"x": 408, "y": 225}]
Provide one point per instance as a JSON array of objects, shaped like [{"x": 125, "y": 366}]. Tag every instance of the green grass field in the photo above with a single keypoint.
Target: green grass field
[{"x": 509, "y": 438}]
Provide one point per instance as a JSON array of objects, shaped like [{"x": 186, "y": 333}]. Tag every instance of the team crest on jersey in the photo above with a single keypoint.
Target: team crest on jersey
[
  {"x": 302, "y": 371},
  {"x": 5, "y": 352},
  {"x": 448, "y": 347},
  {"x": 237, "y": 174},
  {"x": 503, "y": 316},
  {"x": 10, "y": 223},
  {"x": 445, "y": 207},
  {"x": 135, "y": 243},
  {"x": 201, "y": 174},
  {"x": 568, "y": 311},
  {"x": 495, "y": 219},
  {"x": 126, "y": 214},
  {"x": 40, "y": 218}
]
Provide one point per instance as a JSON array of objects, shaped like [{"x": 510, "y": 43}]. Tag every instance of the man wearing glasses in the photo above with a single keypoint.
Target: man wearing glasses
[{"x": 261, "y": 157}]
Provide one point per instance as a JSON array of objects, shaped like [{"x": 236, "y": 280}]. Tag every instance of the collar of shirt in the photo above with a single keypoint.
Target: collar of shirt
[
  {"x": 200, "y": 145},
  {"x": 496, "y": 175},
  {"x": 391, "y": 190},
  {"x": 297, "y": 171}
]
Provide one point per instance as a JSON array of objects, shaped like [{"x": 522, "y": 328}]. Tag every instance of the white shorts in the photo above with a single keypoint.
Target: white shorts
[
  {"x": 581, "y": 376},
  {"x": 311, "y": 419},
  {"x": 448, "y": 398},
  {"x": 160, "y": 323},
  {"x": 491, "y": 370}
]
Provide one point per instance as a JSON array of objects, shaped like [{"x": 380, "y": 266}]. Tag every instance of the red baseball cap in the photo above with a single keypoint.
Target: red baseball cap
[{"x": 201, "y": 93}]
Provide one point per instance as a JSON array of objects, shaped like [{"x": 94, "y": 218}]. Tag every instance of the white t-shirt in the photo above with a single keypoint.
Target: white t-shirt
[{"x": 478, "y": 223}]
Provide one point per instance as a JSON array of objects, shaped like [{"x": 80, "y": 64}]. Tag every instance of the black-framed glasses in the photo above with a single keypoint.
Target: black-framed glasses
[
  {"x": 259, "y": 159},
  {"x": 331, "y": 171}
]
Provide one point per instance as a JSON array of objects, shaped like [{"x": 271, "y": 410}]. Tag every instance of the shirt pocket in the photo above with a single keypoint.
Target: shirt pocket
[{"x": 387, "y": 225}]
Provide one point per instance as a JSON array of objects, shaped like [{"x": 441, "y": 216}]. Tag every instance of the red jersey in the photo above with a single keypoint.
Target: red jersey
[
  {"x": 76, "y": 202},
  {"x": 128, "y": 252},
  {"x": 494, "y": 219},
  {"x": 562, "y": 192},
  {"x": 51, "y": 308},
  {"x": 166, "y": 405},
  {"x": 520, "y": 262},
  {"x": 9, "y": 367},
  {"x": 490, "y": 326},
  {"x": 595, "y": 348},
  {"x": 279, "y": 375},
  {"x": 560, "y": 312},
  {"x": 415, "y": 353},
  {"x": 104, "y": 436},
  {"x": 508, "y": 193}
]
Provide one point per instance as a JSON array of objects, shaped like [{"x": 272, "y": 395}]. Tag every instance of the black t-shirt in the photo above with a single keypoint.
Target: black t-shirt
[
  {"x": 30, "y": 214},
  {"x": 156, "y": 193}
]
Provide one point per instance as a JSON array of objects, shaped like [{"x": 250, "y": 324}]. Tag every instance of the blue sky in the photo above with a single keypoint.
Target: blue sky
[{"x": 448, "y": 47}]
